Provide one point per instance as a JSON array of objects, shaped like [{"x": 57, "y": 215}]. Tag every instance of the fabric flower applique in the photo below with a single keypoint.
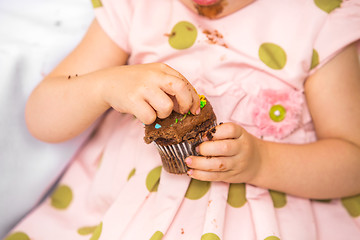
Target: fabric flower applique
[{"x": 278, "y": 113}]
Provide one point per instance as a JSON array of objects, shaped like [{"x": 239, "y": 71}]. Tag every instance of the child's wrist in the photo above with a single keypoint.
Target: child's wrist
[{"x": 261, "y": 162}]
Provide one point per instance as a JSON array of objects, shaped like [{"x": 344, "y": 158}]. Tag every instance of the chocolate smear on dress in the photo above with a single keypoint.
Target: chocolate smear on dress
[{"x": 215, "y": 37}]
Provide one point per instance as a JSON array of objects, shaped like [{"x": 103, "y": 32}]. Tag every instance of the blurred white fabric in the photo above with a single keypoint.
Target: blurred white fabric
[{"x": 34, "y": 36}]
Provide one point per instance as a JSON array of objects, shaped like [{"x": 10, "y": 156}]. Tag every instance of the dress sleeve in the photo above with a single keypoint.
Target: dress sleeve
[
  {"x": 114, "y": 16},
  {"x": 341, "y": 28}
]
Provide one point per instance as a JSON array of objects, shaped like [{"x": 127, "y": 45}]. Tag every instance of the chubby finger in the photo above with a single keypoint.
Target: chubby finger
[
  {"x": 188, "y": 100},
  {"x": 144, "y": 112},
  {"x": 227, "y": 130},
  {"x": 218, "y": 148},
  {"x": 184, "y": 93},
  {"x": 195, "y": 108},
  {"x": 210, "y": 164},
  {"x": 206, "y": 176},
  {"x": 183, "y": 96},
  {"x": 160, "y": 102},
  {"x": 180, "y": 91},
  {"x": 170, "y": 71}
]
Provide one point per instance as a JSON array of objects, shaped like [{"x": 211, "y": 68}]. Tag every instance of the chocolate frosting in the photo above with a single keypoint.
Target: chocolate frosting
[{"x": 180, "y": 127}]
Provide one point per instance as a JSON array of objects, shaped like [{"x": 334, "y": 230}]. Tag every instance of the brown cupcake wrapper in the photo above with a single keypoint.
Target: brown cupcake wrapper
[{"x": 173, "y": 156}]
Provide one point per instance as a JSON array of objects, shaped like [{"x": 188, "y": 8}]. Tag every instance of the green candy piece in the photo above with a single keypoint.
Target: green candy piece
[
  {"x": 237, "y": 195},
  {"x": 197, "y": 189},
  {"x": 61, "y": 197},
  {"x": 153, "y": 179},
  {"x": 183, "y": 35},
  {"x": 202, "y": 103},
  {"x": 18, "y": 236},
  {"x": 272, "y": 55},
  {"x": 157, "y": 236},
  {"x": 328, "y": 5}
]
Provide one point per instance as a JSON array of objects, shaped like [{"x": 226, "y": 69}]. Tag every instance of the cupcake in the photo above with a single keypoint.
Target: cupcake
[{"x": 177, "y": 135}]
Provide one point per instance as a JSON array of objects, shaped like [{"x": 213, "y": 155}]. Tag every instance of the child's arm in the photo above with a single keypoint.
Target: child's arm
[
  {"x": 328, "y": 168},
  {"x": 94, "y": 78}
]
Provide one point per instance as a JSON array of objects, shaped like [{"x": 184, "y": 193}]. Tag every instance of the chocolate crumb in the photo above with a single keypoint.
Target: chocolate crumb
[
  {"x": 209, "y": 135},
  {"x": 69, "y": 77},
  {"x": 215, "y": 37},
  {"x": 170, "y": 34}
]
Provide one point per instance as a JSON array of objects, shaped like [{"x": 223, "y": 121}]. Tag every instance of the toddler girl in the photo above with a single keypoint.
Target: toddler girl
[{"x": 284, "y": 78}]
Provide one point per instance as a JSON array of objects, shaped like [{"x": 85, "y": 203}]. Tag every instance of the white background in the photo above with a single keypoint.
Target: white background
[{"x": 34, "y": 36}]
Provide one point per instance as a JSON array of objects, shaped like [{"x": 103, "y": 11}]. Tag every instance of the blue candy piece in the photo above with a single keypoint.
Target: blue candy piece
[{"x": 157, "y": 126}]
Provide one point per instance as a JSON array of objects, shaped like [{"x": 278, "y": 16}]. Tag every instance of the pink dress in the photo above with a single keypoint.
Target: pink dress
[{"x": 252, "y": 66}]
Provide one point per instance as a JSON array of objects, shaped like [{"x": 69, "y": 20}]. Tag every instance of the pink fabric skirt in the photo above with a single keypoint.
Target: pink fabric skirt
[{"x": 115, "y": 189}]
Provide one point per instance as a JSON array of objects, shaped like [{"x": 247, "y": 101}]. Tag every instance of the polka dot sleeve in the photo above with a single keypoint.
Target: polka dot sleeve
[
  {"x": 114, "y": 17},
  {"x": 341, "y": 28}
]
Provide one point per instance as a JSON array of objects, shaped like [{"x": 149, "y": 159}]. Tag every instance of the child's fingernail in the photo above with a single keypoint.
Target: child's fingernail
[
  {"x": 197, "y": 149},
  {"x": 198, "y": 111},
  {"x": 188, "y": 161},
  {"x": 190, "y": 172}
]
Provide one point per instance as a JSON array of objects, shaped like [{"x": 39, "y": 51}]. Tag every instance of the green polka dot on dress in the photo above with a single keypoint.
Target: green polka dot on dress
[
  {"x": 157, "y": 236},
  {"x": 18, "y": 236},
  {"x": 131, "y": 174},
  {"x": 197, "y": 189},
  {"x": 352, "y": 205},
  {"x": 314, "y": 59},
  {"x": 328, "y": 5},
  {"x": 272, "y": 55},
  {"x": 183, "y": 35},
  {"x": 153, "y": 179},
  {"x": 97, "y": 232},
  {"x": 62, "y": 197},
  {"x": 278, "y": 198},
  {"x": 96, "y": 3},
  {"x": 272, "y": 238},
  {"x": 210, "y": 236},
  {"x": 236, "y": 195},
  {"x": 86, "y": 230}
]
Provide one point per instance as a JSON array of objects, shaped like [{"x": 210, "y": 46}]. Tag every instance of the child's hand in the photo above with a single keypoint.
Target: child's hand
[
  {"x": 149, "y": 91},
  {"x": 232, "y": 155}
]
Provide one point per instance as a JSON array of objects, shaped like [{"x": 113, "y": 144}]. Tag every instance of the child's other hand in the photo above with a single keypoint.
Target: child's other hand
[
  {"x": 232, "y": 155},
  {"x": 149, "y": 91}
]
